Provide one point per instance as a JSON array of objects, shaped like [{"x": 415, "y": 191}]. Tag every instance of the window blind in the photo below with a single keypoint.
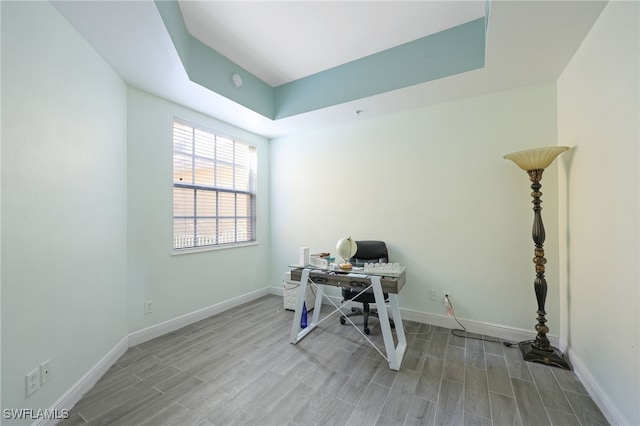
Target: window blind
[{"x": 214, "y": 189}]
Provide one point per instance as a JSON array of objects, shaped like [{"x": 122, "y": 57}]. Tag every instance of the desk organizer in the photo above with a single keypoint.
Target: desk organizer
[
  {"x": 320, "y": 262},
  {"x": 290, "y": 292}
]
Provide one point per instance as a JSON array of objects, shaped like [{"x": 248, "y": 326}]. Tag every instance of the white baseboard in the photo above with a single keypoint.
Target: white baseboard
[
  {"x": 157, "y": 330},
  {"x": 86, "y": 382},
  {"x": 499, "y": 331},
  {"x": 600, "y": 398},
  {"x": 82, "y": 386},
  {"x": 510, "y": 334},
  {"x": 75, "y": 393},
  {"x": 277, "y": 291}
]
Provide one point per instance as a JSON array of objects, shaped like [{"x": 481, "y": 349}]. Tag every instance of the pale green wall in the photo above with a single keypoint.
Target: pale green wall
[
  {"x": 64, "y": 221},
  {"x": 431, "y": 183},
  {"x": 87, "y": 209},
  {"x": 180, "y": 284},
  {"x": 598, "y": 106},
  {"x": 449, "y": 206}
]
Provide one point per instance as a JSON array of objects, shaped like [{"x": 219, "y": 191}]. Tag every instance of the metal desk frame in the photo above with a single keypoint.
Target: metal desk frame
[{"x": 395, "y": 353}]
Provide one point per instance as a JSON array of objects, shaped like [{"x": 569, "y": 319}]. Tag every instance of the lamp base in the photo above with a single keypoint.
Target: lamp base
[{"x": 554, "y": 358}]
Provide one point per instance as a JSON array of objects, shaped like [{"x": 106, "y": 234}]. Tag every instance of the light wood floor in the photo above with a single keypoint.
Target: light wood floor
[{"x": 238, "y": 368}]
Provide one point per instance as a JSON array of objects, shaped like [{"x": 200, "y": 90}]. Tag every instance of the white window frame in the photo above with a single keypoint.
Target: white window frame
[{"x": 196, "y": 231}]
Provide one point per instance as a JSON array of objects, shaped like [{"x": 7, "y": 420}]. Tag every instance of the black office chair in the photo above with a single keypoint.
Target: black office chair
[{"x": 367, "y": 252}]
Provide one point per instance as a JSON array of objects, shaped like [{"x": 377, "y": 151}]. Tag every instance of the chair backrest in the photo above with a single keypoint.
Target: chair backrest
[{"x": 370, "y": 252}]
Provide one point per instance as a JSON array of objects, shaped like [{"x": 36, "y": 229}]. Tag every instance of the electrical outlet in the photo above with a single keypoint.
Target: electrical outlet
[
  {"x": 446, "y": 297},
  {"x": 148, "y": 307},
  {"x": 32, "y": 381},
  {"x": 45, "y": 372},
  {"x": 434, "y": 295}
]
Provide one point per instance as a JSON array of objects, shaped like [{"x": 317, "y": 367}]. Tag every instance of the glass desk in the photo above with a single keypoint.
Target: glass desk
[{"x": 380, "y": 281}]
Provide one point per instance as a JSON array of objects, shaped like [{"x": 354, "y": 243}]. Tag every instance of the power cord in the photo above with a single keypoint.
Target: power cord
[{"x": 464, "y": 329}]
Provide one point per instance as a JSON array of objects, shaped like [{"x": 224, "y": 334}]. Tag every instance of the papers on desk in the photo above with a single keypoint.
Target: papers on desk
[{"x": 357, "y": 275}]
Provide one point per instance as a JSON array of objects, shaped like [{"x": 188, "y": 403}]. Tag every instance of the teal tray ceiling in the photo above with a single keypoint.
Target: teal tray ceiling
[{"x": 446, "y": 53}]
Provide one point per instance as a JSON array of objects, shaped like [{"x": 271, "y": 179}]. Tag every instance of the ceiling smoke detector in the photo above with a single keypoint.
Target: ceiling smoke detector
[{"x": 236, "y": 80}]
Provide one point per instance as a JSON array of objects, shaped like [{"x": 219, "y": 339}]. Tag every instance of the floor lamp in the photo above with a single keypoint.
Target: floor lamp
[{"x": 534, "y": 161}]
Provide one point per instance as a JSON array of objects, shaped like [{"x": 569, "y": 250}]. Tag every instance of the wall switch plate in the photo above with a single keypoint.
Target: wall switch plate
[
  {"x": 32, "y": 381},
  {"x": 45, "y": 372},
  {"x": 148, "y": 307},
  {"x": 435, "y": 295}
]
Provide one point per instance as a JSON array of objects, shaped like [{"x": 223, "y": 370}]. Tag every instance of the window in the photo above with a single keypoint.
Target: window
[{"x": 214, "y": 189}]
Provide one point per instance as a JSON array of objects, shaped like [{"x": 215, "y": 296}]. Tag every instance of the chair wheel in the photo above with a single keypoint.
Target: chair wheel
[
  {"x": 367, "y": 331},
  {"x": 342, "y": 321}
]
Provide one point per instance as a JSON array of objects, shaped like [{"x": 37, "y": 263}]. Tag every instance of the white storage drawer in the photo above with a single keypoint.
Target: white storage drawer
[{"x": 290, "y": 292}]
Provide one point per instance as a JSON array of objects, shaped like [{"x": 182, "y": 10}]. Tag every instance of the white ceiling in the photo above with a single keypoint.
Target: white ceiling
[
  {"x": 283, "y": 41},
  {"x": 528, "y": 42}
]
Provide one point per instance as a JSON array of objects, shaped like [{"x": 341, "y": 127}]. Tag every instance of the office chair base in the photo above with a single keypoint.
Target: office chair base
[{"x": 358, "y": 311}]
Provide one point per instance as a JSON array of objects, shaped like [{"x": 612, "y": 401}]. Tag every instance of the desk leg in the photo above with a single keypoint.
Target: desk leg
[
  {"x": 402, "y": 339},
  {"x": 395, "y": 354},
  {"x": 296, "y": 332}
]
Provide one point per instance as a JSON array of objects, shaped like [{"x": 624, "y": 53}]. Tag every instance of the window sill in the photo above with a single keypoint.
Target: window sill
[{"x": 180, "y": 252}]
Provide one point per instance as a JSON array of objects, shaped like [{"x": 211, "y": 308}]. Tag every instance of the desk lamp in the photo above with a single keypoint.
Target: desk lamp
[
  {"x": 346, "y": 248},
  {"x": 534, "y": 161}
]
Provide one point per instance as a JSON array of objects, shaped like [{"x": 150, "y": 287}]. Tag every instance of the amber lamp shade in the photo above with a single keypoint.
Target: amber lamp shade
[{"x": 537, "y": 158}]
